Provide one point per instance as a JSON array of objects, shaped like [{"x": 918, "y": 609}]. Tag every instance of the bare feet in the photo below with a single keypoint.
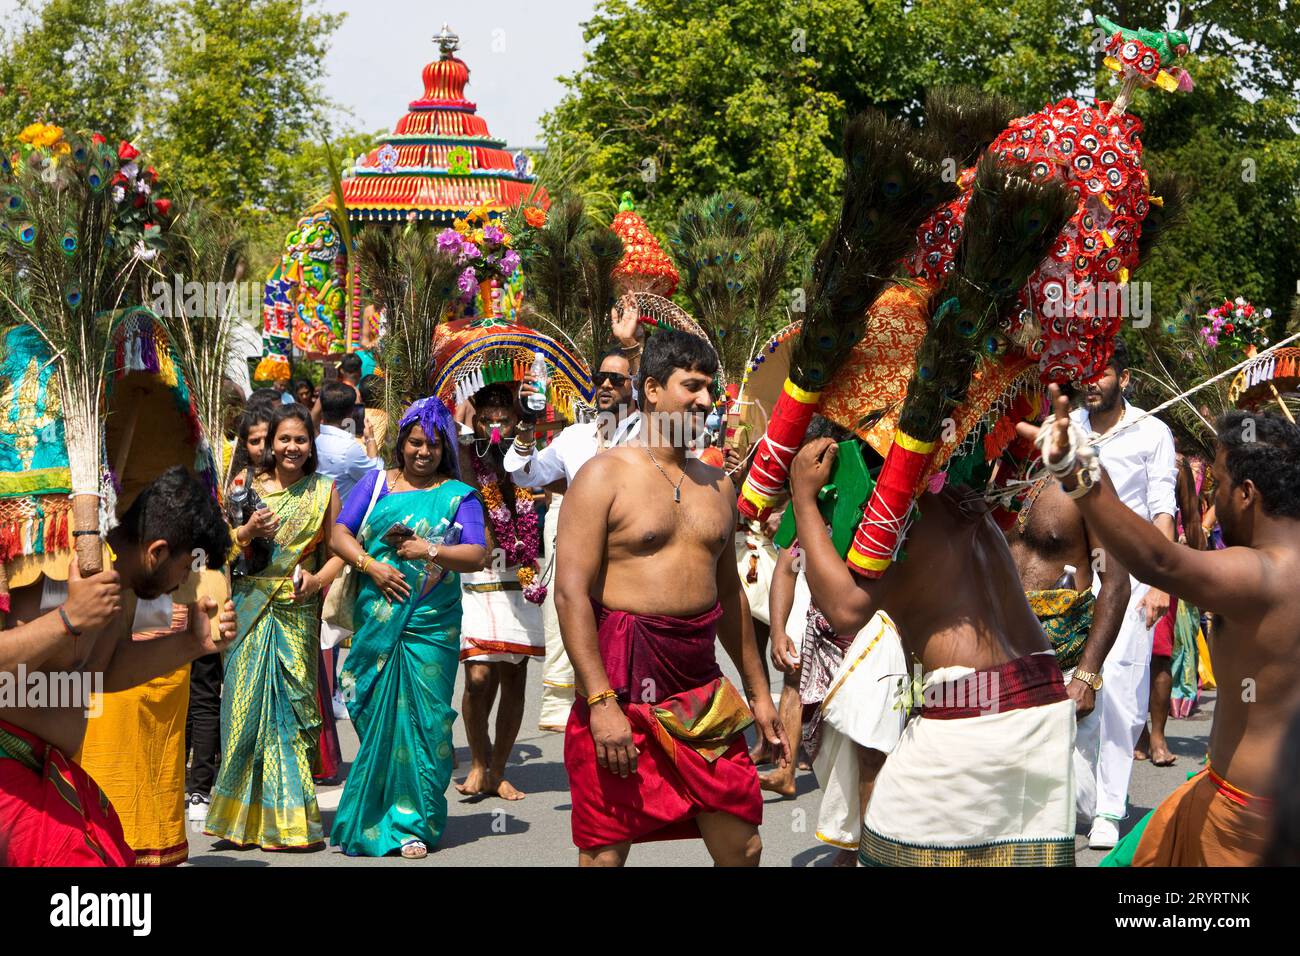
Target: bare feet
[
  {"x": 1143, "y": 749},
  {"x": 503, "y": 788},
  {"x": 1160, "y": 753},
  {"x": 777, "y": 782},
  {"x": 761, "y": 753},
  {"x": 846, "y": 858},
  {"x": 475, "y": 783}
]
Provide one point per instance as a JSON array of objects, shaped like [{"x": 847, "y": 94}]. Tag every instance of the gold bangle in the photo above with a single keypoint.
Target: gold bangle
[
  {"x": 363, "y": 563},
  {"x": 595, "y": 699}
]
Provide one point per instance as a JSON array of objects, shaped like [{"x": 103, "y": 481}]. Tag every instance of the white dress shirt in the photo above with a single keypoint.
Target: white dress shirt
[
  {"x": 1140, "y": 461},
  {"x": 338, "y": 456},
  {"x": 572, "y": 448}
]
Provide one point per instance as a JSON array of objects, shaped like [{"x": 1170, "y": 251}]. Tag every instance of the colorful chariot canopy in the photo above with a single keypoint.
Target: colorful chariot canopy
[{"x": 440, "y": 161}]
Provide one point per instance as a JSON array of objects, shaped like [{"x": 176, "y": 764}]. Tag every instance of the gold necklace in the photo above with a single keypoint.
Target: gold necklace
[{"x": 677, "y": 488}]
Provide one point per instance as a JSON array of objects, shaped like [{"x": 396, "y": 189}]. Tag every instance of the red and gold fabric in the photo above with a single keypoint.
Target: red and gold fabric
[
  {"x": 51, "y": 812},
  {"x": 1206, "y": 822}
]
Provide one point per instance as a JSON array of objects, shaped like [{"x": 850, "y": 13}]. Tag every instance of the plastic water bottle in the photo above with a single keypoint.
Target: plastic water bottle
[
  {"x": 1066, "y": 581},
  {"x": 537, "y": 376}
]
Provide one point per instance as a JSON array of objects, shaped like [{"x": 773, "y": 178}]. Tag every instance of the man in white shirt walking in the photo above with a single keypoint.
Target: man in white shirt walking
[
  {"x": 556, "y": 465},
  {"x": 337, "y": 452},
  {"x": 1138, "y": 454}
]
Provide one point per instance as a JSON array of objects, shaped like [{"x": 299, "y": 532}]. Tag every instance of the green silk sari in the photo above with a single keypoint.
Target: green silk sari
[
  {"x": 398, "y": 680},
  {"x": 264, "y": 795}
]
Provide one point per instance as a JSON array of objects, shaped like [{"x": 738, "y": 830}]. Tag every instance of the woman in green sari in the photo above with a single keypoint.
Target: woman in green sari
[
  {"x": 264, "y": 795},
  {"x": 407, "y": 533}
]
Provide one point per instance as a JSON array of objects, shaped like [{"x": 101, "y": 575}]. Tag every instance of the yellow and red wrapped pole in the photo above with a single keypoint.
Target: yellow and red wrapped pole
[
  {"x": 885, "y": 519},
  {"x": 776, "y": 449}
]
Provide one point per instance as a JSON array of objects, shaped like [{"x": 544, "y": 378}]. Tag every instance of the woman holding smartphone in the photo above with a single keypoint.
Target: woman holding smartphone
[
  {"x": 264, "y": 795},
  {"x": 408, "y": 532}
]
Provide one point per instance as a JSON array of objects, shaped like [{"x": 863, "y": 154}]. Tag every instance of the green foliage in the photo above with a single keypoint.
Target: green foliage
[{"x": 679, "y": 99}]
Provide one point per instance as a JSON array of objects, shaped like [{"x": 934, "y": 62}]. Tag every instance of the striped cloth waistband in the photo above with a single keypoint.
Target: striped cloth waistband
[
  {"x": 1236, "y": 794},
  {"x": 490, "y": 586},
  {"x": 1030, "y": 681}
]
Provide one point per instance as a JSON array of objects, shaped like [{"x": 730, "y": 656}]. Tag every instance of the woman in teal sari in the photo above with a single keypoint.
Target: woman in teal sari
[
  {"x": 406, "y": 532},
  {"x": 264, "y": 795}
]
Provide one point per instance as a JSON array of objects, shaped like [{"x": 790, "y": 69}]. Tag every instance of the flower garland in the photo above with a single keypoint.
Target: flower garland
[
  {"x": 484, "y": 250},
  {"x": 519, "y": 539}
]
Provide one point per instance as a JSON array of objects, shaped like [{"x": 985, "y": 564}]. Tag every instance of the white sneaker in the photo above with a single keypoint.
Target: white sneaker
[
  {"x": 340, "y": 708},
  {"x": 198, "y": 808},
  {"x": 1104, "y": 834}
]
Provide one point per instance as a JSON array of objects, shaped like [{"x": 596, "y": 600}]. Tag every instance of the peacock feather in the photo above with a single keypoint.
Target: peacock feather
[
  {"x": 570, "y": 264},
  {"x": 893, "y": 178},
  {"x": 413, "y": 283},
  {"x": 734, "y": 270}
]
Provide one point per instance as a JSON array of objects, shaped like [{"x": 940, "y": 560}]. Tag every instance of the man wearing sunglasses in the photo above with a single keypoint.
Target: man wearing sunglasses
[{"x": 555, "y": 466}]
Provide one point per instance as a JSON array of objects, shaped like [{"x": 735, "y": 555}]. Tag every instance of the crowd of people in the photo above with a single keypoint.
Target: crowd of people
[{"x": 970, "y": 730}]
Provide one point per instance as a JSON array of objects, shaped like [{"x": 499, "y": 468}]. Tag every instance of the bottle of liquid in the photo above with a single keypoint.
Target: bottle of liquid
[
  {"x": 1066, "y": 581},
  {"x": 537, "y": 376}
]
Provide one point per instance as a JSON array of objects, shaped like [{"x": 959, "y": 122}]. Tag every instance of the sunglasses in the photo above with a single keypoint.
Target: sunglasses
[{"x": 616, "y": 379}]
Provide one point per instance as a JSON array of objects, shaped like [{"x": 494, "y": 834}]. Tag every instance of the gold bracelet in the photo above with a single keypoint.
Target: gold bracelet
[
  {"x": 595, "y": 699},
  {"x": 363, "y": 563}
]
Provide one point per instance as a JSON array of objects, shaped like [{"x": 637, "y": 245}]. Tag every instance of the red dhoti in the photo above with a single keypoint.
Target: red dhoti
[
  {"x": 51, "y": 812},
  {"x": 666, "y": 674}
]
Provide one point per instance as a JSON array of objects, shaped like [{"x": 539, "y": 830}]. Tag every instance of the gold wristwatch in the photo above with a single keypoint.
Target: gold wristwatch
[{"x": 1089, "y": 678}]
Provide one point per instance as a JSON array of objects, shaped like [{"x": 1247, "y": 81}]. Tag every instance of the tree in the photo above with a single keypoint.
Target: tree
[
  {"x": 82, "y": 64},
  {"x": 243, "y": 96}
]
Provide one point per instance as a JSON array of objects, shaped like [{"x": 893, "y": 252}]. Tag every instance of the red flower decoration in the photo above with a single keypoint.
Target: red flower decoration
[
  {"x": 126, "y": 152},
  {"x": 97, "y": 139},
  {"x": 118, "y": 180},
  {"x": 1229, "y": 328},
  {"x": 140, "y": 200},
  {"x": 163, "y": 206}
]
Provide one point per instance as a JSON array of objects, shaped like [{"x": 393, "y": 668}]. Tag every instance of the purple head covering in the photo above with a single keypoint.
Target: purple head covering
[{"x": 434, "y": 419}]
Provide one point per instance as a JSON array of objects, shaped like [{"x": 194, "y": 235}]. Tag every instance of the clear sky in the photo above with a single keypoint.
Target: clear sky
[{"x": 515, "y": 49}]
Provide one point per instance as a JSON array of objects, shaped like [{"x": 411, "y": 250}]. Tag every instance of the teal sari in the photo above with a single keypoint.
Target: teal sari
[
  {"x": 264, "y": 795},
  {"x": 398, "y": 680}
]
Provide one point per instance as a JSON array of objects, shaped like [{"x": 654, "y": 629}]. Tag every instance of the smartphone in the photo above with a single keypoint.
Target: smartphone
[{"x": 397, "y": 533}]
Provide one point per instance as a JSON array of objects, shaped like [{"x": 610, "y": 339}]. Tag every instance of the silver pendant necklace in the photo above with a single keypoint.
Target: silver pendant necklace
[{"x": 677, "y": 488}]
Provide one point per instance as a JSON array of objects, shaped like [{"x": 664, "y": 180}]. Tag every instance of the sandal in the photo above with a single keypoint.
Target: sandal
[{"x": 414, "y": 850}]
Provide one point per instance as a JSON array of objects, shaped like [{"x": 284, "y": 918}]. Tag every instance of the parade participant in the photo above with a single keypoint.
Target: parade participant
[
  {"x": 341, "y": 459},
  {"x": 654, "y": 747},
  {"x": 1139, "y": 458},
  {"x": 203, "y": 720},
  {"x": 51, "y": 812},
  {"x": 1217, "y": 818},
  {"x": 302, "y": 392},
  {"x": 401, "y": 670},
  {"x": 501, "y": 627},
  {"x": 557, "y": 464},
  {"x": 789, "y": 613},
  {"x": 270, "y": 716},
  {"x": 1048, "y": 536},
  {"x": 952, "y": 793}
]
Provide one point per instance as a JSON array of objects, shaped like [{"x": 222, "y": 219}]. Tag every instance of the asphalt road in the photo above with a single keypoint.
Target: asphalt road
[{"x": 535, "y": 831}]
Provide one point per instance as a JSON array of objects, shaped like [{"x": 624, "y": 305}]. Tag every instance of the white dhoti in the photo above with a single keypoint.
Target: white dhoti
[
  {"x": 557, "y": 671},
  {"x": 996, "y": 789},
  {"x": 1125, "y": 698},
  {"x": 858, "y": 711},
  {"x": 497, "y": 624}
]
